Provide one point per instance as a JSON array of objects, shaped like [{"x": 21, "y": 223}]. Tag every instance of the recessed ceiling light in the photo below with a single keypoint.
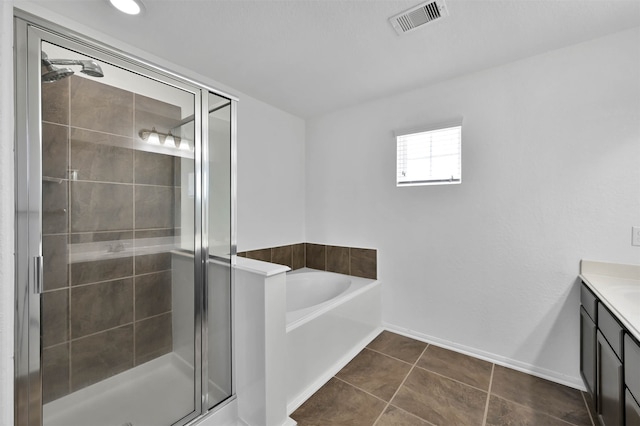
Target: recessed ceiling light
[{"x": 130, "y": 7}]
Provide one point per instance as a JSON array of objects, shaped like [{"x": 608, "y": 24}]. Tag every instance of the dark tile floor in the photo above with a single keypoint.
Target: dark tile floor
[{"x": 397, "y": 381}]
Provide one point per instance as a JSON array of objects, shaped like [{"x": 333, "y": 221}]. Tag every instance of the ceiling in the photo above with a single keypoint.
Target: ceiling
[{"x": 312, "y": 57}]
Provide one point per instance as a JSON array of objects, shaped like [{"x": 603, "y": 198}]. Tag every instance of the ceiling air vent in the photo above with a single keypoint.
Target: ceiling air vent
[{"x": 418, "y": 16}]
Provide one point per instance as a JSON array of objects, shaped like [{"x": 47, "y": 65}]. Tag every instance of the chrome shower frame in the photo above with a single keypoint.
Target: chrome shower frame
[{"x": 29, "y": 32}]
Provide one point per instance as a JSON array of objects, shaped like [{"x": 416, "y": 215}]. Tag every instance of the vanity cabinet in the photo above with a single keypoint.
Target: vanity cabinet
[
  {"x": 609, "y": 363},
  {"x": 632, "y": 380},
  {"x": 588, "y": 339},
  {"x": 632, "y": 409},
  {"x": 609, "y": 397}
]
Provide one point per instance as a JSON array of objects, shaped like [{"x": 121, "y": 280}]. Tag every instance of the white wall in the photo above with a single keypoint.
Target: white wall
[
  {"x": 271, "y": 176},
  {"x": 270, "y": 197},
  {"x": 551, "y": 175}
]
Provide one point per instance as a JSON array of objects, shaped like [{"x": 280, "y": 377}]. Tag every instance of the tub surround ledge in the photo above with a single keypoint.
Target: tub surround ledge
[
  {"x": 259, "y": 316},
  {"x": 618, "y": 287},
  {"x": 260, "y": 267}
]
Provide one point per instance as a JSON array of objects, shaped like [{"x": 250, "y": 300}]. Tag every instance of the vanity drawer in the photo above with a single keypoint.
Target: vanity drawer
[
  {"x": 632, "y": 365},
  {"x": 610, "y": 329},
  {"x": 588, "y": 301}
]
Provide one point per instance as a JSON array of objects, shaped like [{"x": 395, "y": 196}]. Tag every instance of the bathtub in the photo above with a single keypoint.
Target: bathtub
[{"x": 330, "y": 318}]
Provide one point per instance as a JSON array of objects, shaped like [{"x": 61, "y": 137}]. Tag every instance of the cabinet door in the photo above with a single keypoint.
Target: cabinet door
[
  {"x": 632, "y": 410},
  {"x": 588, "y": 351},
  {"x": 610, "y": 398},
  {"x": 632, "y": 366},
  {"x": 589, "y": 301}
]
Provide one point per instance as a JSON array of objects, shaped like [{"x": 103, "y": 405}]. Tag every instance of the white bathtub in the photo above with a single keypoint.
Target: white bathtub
[
  {"x": 330, "y": 318},
  {"x": 307, "y": 289}
]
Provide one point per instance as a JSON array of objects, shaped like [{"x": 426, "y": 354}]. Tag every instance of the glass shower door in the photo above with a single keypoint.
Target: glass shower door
[
  {"x": 118, "y": 244},
  {"x": 125, "y": 194},
  {"x": 220, "y": 248}
]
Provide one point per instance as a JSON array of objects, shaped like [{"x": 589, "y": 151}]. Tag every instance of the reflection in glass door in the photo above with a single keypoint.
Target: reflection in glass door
[
  {"x": 218, "y": 324},
  {"x": 118, "y": 245},
  {"x": 125, "y": 237}
]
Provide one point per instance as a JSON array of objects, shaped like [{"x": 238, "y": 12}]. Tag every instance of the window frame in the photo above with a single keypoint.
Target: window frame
[{"x": 449, "y": 124}]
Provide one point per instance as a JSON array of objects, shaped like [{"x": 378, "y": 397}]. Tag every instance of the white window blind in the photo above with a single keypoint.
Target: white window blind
[{"x": 430, "y": 157}]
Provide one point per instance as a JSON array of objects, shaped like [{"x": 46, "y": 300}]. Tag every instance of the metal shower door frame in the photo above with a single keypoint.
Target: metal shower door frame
[{"x": 29, "y": 32}]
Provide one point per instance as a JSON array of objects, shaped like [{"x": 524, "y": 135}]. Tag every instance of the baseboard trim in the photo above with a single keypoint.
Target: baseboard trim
[{"x": 553, "y": 376}]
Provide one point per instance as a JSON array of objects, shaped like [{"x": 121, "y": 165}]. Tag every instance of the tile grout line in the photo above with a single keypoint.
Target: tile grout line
[
  {"x": 486, "y": 406},
  {"x": 390, "y": 356},
  {"x": 68, "y": 235},
  {"x": 122, "y": 278},
  {"x": 401, "y": 384},
  {"x": 359, "y": 388},
  {"x": 452, "y": 379},
  {"x": 134, "y": 281},
  {"x": 487, "y": 391},
  {"x": 410, "y": 414},
  {"x": 130, "y": 323},
  {"x": 519, "y": 404},
  {"x": 152, "y": 185},
  {"x": 325, "y": 257}
]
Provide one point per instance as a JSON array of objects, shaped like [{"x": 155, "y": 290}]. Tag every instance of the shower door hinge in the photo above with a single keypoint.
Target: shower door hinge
[{"x": 38, "y": 273}]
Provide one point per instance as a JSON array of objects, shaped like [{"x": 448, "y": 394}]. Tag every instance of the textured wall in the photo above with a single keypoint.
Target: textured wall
[
  {"x": 271, "y": 182},
  {"x": 550, "y": 175}
]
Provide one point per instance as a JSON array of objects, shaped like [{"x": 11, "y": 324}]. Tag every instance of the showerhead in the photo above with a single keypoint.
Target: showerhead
[
  {"x": 54, "y": 74},
  {"x": 89, "y": 67}
]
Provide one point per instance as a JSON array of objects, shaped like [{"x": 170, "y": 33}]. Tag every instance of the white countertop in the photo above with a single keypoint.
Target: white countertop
[{"x": 618, "y": 287}]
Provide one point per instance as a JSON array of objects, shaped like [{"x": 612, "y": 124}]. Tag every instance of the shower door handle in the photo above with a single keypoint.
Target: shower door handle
[{"x": 38, "y": 266}]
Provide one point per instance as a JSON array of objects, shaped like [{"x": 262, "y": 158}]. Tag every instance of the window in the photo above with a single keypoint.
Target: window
[{"x": 431, "y": 157}]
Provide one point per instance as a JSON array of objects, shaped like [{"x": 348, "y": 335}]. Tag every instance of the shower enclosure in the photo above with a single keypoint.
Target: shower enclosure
[{"x": 125, "y": 236}]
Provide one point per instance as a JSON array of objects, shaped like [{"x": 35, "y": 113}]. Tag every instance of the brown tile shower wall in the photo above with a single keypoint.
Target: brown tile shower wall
[
  {"x": 103, "y": 317},
  {"x": 358, "y": 262}
]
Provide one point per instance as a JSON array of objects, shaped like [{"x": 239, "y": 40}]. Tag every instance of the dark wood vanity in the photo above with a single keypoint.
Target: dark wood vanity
[{"x": 609, "y": 361}]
